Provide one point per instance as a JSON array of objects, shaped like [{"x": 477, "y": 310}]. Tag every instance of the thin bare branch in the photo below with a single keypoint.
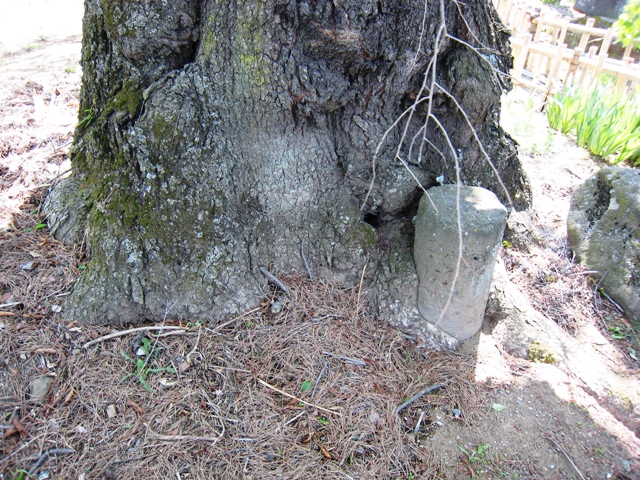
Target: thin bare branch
[
  {"x": 419, "y": 395},
  {"x": 130, "y": 331},
  {"x": 282, "y": 392}
]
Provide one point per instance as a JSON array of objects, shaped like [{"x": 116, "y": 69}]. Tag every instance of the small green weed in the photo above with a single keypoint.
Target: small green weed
[
  {"x": 323, "y": 421},
  {"x": 617, "y": 333},
  {"x": 142, "y": 366},
  {"x": 476, "y": 454},
  {"x": 20, "y": 475}
]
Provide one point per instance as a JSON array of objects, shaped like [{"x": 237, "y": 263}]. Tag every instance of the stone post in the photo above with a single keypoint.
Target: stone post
[{"x": 436, "y": 252}]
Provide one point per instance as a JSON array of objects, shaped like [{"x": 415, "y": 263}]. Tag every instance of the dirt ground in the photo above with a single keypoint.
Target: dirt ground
[{"x": 305, "y": 386}]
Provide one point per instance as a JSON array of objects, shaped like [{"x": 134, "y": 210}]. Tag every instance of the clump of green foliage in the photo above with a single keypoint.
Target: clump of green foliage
[
  {"x": 628, "y": 24},
  {"x": 144, "y": 366},
  {"x": 605, "y": 121}
]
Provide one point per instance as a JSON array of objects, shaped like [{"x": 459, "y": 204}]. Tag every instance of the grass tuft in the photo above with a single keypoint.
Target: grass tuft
[{"x": 604, "y": 121}]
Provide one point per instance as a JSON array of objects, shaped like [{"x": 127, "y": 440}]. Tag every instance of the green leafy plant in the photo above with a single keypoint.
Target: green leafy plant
[
  {"x": 628, "y": 24},
  {"x": 143, "y": 365},
  {"x": 617, "y": 333},
  {"x": 605, "y": 121},
  {"x": 306, "y": 385},
  {"x": 476, "y": 455},
  {"x": 323, "y": 421},
  {"x": 20, "y": 475},
  {"x": 40, "y": 226}
]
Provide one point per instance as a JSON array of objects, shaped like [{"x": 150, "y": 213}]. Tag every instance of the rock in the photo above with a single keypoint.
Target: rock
[
  {"x": 604, "y": 232},
  {"x": 40, "y": 388},
  {"x": 483, "y": 219},
  {"x": 610, "y": 9},
  {"x": 112, "y": 411}
]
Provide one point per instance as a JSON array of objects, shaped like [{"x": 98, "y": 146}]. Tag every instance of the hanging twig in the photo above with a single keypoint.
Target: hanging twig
[
  {"x": 420, "y": 394},
  {"x": 364, "y": 269},
  {"x": 304, "y": 259},
  {"x": 271, "y": 277}
]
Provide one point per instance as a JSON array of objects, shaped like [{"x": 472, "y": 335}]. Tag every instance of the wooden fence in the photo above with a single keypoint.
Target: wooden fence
[{"x": 544, "y": 62}]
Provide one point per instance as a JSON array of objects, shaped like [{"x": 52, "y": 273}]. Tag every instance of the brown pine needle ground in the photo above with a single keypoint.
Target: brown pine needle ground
[{"x": 223, "y": 415}]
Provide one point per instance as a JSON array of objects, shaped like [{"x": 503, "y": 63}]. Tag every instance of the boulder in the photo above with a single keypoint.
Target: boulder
[
  {"x": 604, "y": 233},
  {"x": 455, "y": 273},
  {"x": 610, "y": 9}
]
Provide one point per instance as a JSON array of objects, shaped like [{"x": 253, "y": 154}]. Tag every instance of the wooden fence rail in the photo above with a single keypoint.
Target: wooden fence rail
[{"x": 544, "y": 62}]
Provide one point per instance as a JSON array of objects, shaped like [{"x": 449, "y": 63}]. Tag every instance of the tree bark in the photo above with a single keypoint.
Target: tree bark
[{"x": 216, "y": 136}]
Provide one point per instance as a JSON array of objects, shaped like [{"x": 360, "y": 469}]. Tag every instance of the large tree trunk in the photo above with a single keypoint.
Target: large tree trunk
[{"x": 217, "y": 136}]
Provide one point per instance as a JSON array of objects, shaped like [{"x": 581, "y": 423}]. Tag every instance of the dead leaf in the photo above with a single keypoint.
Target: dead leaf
[
  {"x": 19, "y": 427},
  {"x": 7, "y": 314},
  {"x": 10, "y": 431},
  {"x": 380, "y": 389},
  {"x": 333, "y": 391},
  {"x": 52, "y": 351},
  {"x": 325, "y": 452},
  {"x": 69, "y": 396},
  {"x": 183, "y": 367},
  {"x": 309, "y": 437},
  {"x": 135, "y": 406}
]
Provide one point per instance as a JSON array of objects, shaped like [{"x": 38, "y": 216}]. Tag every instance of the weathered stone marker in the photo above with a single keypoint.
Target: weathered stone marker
[
  {"x": 436, "y": 253},
  {"x": 604, "y": 232}
]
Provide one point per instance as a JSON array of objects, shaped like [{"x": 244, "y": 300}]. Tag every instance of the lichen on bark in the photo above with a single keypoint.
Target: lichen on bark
[{"x": 215, "y": 137}]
